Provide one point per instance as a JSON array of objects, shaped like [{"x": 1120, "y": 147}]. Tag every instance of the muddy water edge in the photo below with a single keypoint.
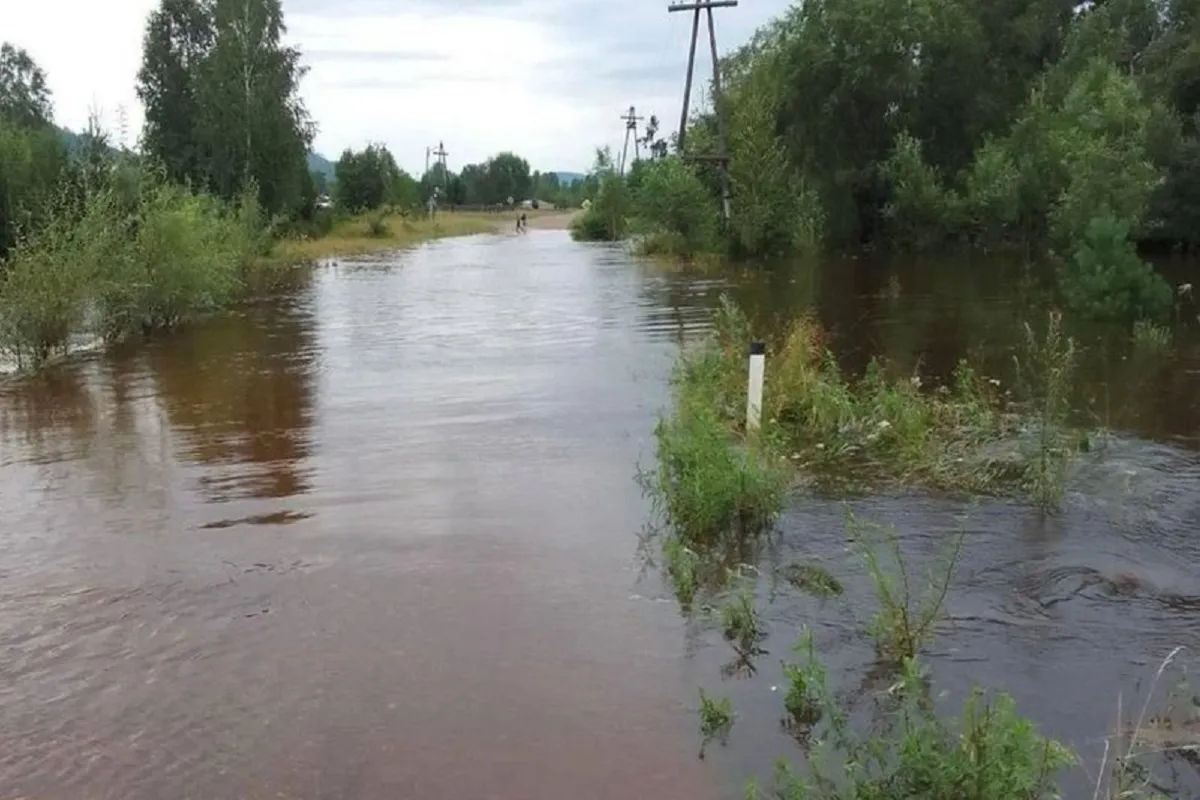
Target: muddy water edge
[{"x": 376, "y": 537}]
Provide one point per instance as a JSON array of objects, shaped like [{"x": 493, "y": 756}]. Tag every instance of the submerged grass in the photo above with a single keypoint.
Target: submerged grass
[
  {"x": 907, "y": 609},
  {"x": 718, "y": 489},
  {"x": 877, "y": 429},
  {"x": 716, "y": 719}
]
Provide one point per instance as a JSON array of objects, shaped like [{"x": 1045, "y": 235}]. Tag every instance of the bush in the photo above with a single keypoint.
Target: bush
[
  {"x": 184, "y": 258},
  {"x": 42, "y": 290},
  {"x": 606, "y": 219},
  {"x": 121, "y": 265},
  {"x": 377, "y": 227},
  {"x": 1109, "y": 281},
  {"x": 671, "y": 201},
  {"x": 991, "y": 752}
]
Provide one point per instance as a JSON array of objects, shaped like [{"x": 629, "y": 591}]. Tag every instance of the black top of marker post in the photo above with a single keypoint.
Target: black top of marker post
[{"x": 758, "y": 348}]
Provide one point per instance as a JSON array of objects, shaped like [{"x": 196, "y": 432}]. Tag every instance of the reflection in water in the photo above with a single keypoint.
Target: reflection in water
[
  {"x": 377, "y": 538},
  {"x": 239, "y": 393}
]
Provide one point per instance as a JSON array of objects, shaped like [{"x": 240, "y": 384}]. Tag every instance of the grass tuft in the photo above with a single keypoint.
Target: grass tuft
[
  {"x": 906, "y": 614},
  {"x": 716, "y": 720}
]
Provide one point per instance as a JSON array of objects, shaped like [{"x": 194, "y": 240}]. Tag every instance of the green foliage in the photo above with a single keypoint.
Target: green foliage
[
  {"x": 710, "y": 490},
  {"x": 606, "y": 218},
  {"x": 806, "y": 682},
  {"x": 921, "y": 212},
  {"x": 869, "y": 431},
  {"x": 121, "y": 265},
  {"x": 1108, "y": 280},
  {"x": 33, "y": 163},
  {"x": 906, "y": 613},
  {"x": 222, "y": 102},
  {"x": 672, "y": 202},
  {"x": 1149, "y": 338},
  {"x": 1101, "y": 137},
  {"x": 939, "y": 122},
  {"x": 24, "y": 95},
  {"x": 1045, "y": 368},
  {"x": 42, "y": 290},
  {"x": 368, "y": 179},
  {"x": 774, "y": 212},
  {"x": 741, "y": 624},
  {"x": 991, "y": 752},
  {"x": 684, "y": 568},
  {"x": 377, "y": 227},
  {"x": 716, "y": 719}
]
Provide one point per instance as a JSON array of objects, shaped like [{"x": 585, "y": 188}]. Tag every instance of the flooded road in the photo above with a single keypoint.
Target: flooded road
[{"x": 377, "y": 538}]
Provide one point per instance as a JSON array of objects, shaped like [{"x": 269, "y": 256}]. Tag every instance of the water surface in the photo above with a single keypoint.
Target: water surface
[{"x": 377, "y": 537}]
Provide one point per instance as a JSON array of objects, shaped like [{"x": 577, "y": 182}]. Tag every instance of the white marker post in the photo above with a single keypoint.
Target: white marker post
[{"x": 754, "y": 391}]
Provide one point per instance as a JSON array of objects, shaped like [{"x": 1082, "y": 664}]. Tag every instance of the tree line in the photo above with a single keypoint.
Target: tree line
[
  {"x": 370, "y": 179},
  {"x": 1044, "y": 126}
]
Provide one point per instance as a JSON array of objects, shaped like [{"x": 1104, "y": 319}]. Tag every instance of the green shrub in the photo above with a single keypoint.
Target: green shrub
[
  {"x": 1107, "y": 279},
  {"x": 183, "y": 258},
  {"x": 672, "y": 202},
  {"x": 43, "y": 288},
  {"x": 607, "y": 218}
]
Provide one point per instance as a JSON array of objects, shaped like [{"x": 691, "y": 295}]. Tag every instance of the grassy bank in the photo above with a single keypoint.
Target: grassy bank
[{"x": 379, "y": 232}]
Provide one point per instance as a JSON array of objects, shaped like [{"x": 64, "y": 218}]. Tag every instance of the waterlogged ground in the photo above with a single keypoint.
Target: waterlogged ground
[{"x": 377, "y": 538}]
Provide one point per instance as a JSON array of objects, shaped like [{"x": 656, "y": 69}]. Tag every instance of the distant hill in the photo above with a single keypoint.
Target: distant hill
[
  {"x": 567, "y": 178},
  {"x": 321, "y": 164}
]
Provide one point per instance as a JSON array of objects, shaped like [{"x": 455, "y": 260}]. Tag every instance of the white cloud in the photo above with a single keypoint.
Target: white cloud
[
  {"x": 90, "y": 51},
  {"x": 547, "y": 79}
]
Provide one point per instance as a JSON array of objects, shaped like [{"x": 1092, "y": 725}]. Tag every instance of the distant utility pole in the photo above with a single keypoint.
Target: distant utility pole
[
  {"x": 722, "y": 155},
  {"x": 441, "y": 159},
  {"x": 631, "y": 121}
]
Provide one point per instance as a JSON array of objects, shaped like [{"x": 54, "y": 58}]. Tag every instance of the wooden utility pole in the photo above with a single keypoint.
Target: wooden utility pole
[
  {"x": 721, "y": 157},
  {"x": 441, "y": 160},
  {"x": 631, "y": 121}
]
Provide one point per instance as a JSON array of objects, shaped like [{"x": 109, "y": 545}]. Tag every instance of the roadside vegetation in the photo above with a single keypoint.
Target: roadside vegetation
[
  {"x": 1069, "y": 134},
  {"x": 99, "y": 240},
  {"x": 718, "y": 489}
]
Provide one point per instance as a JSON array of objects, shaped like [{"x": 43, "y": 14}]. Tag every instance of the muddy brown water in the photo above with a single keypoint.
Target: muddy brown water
[{"x": 376, "y": 537}]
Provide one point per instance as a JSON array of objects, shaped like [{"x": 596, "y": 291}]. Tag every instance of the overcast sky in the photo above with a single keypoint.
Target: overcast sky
[{"x": 547, "y": 79}]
